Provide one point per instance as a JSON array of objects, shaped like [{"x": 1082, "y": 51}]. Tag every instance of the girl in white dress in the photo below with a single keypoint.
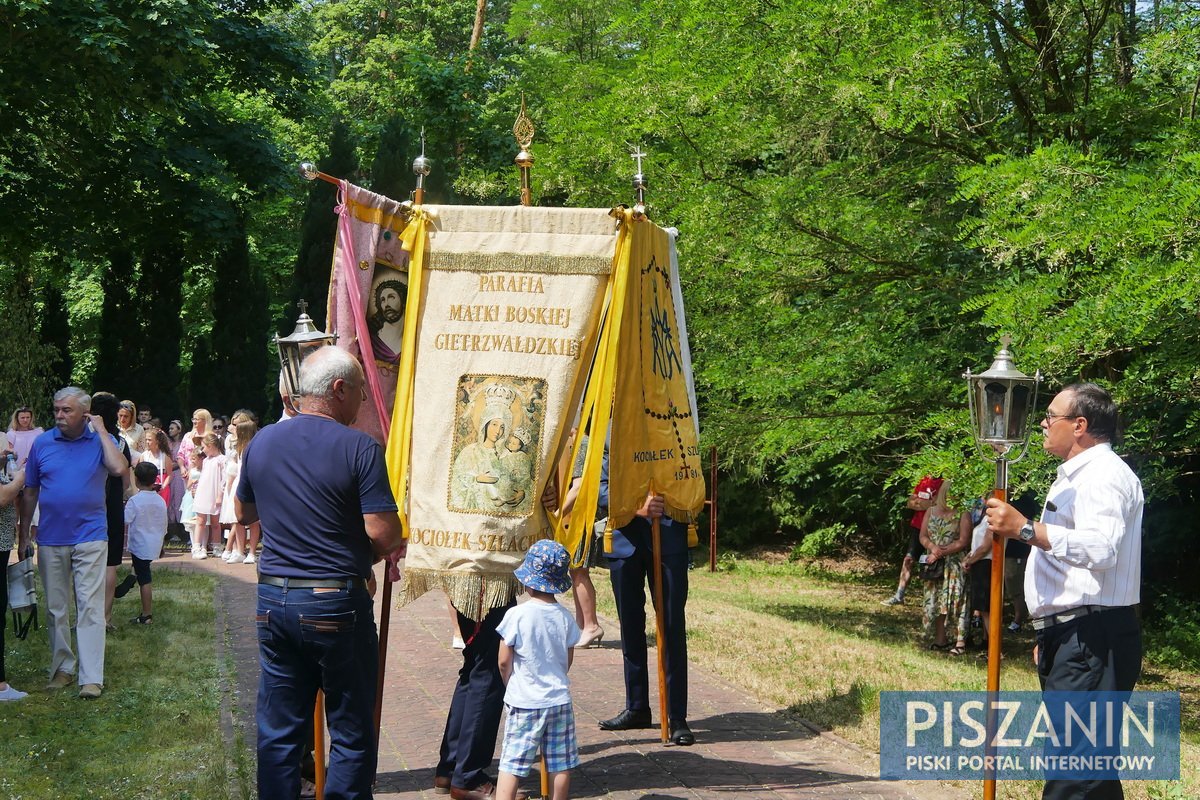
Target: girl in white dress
[
  {"x": 210, "y": 491},
  {"x": 241, "y": 430},
  {"x": 187, "y": 514}
]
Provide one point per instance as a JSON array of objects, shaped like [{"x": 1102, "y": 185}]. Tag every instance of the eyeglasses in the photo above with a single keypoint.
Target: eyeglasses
[{"x": 1050, "y": 419}]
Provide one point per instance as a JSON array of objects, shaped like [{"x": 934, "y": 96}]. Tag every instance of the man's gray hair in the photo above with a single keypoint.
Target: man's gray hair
[
  {"x": 75, "y": 393},
  {"x": 324, "y": 366}
]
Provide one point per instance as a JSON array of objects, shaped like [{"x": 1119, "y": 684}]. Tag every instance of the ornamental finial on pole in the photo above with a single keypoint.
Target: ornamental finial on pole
[
  {"x": 523, "y": 131},
  {"x": 421, "y": 167},
  {"x": 639, "y": 184}
]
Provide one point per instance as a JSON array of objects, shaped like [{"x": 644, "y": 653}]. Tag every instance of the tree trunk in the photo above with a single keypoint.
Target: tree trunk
[{"x": 477, "y": 31}]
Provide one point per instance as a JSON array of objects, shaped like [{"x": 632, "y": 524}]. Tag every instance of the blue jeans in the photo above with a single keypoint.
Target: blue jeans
[{"x": 310, "y": 639}]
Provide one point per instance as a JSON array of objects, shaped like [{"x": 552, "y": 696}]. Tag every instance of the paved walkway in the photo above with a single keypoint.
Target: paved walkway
[{"x": 744, "y": 749}]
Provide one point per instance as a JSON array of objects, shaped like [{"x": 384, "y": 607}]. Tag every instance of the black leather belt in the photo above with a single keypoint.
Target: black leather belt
[
  {"x": 313, "y": 583},
  {"x": 1041, "y": 623}
]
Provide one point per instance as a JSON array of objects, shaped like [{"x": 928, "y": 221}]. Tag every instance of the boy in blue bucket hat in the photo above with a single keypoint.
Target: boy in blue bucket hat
[{"x": 536, "y": 648}]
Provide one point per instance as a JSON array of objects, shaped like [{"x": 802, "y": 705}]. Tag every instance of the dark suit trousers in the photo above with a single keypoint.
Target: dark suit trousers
[
  {"x": 469, "y": 741},
  {"x": 630, "y": 577},
  {"x": 1101, "y": 652}
]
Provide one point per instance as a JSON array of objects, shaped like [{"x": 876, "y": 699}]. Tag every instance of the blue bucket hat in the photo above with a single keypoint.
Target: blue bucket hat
[{"x": 545, "y": 567}]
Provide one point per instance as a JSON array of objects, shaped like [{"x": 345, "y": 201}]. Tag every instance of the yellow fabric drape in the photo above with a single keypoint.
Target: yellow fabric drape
[
  {"x": 654, "y": 445},
  {"x": 638, "y": 385},
  {"x": 399, "y": 444}
]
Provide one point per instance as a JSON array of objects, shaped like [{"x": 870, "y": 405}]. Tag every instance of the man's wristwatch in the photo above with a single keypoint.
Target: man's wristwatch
[{"x": 1027, "y": 532}]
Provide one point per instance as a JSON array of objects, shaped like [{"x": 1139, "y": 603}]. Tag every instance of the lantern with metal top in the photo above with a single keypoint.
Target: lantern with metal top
[
  {"x": 294, "y": 347},
  {"x": 1001, "y": 401}
]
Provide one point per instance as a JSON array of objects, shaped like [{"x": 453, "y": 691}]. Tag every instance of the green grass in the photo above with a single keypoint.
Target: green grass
[
  {"x": 155, "y": 733},
  {"x": 820, "y": 645}
]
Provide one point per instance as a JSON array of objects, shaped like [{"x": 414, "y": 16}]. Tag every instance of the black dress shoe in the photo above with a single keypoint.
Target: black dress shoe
[
  {"x": 681, "y": 734},
  {"x": 628, "y": 720}
]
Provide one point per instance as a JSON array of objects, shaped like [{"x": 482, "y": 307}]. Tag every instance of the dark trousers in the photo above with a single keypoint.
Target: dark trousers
[
  {"x": 473, "y": 723},
  {"x": 630, "y": 577},
  {"x": 1100, "y": 652}
]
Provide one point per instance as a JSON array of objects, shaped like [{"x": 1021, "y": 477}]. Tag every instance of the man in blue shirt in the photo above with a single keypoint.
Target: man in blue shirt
[
  {"x": 321, "y": 491},
  {"x": 66, "y": 472}
]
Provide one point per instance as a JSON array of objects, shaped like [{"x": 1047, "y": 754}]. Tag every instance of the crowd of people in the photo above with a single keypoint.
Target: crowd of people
[
  {"x": 315, "y": 578},
  {"x": 86, "y": 508},
  {"x": 950, "y": 552}
]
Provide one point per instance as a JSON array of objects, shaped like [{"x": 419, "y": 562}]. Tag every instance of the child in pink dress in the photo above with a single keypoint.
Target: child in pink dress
[{"x": 210, "y": 491}]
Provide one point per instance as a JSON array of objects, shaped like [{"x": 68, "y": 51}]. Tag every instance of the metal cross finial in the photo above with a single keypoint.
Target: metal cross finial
[
  {"x": 639, "y": 184},
  {"x": 638, "y": 155},
  {"x": 1005, "y": 341},
  {"x": 303, "y": 306}
]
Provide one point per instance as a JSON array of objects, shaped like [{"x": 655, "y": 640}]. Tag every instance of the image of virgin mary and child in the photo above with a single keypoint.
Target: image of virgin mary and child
[{"x": 494, "y": 474}]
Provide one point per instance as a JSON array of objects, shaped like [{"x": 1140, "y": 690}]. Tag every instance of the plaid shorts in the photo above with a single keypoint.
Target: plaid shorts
[{"x": 551, "y": 730}]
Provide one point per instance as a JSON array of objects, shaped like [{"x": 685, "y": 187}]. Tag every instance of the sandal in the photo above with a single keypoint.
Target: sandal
[
  {"x": 958, "y": 650},
  {"x": 143, "y": 619}
]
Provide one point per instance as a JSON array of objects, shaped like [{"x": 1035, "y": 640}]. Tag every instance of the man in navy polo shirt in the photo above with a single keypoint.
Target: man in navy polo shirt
[
  {"x": 321, "y": 491},
  {"x": 67, "y": 469}
]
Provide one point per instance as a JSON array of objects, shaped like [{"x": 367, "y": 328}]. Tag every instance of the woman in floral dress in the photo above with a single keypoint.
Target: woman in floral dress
[{"x": 946, "y": 536}]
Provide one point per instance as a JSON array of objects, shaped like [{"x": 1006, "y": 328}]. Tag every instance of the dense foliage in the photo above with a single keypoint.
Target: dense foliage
[{"x": 869, "y": 194}]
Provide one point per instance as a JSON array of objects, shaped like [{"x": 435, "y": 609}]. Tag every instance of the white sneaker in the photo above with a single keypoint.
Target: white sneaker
[
  {"x": 197, "y": 552},
  {"x": 201, "y": 554},
  {"x": 249, "y": 559},
  {"x": 226, "y": 555},
  {"x": 11, "y": 694},
  {"x": 235, "y": 558}
]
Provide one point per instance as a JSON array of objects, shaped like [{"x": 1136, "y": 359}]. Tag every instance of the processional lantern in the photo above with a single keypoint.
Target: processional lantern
[
  {"x": 296, "y": 346},
  {"x": 1001, "y": 400}
]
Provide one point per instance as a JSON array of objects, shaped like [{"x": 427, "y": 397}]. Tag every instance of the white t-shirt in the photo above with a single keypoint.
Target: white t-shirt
[
  {"x": 978, "y": 534},
  {"x": 540, "y": 635},
  {"x": 146, "y": 516}
]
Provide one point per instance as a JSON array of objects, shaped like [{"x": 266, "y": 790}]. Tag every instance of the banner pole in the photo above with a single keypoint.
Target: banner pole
[
  {"x": 385, "y": 620},
  {"x": 659, "y": 632},
  {"x": 319, "y": 744}
]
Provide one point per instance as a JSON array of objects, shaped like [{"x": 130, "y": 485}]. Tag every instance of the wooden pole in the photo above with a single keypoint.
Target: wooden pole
[
  {"x": 385, "y": 621},
  {"x": 545, "y": 776},
  {"x": 319, "y": 743},
  {"x": 659, "y": 633},
  {"x": 712, "y": 511},
  {"x": 995, "y": 614}
]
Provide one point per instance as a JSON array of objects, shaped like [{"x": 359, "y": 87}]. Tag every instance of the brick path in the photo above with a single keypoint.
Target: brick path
[{"x": 743, "y": 748}]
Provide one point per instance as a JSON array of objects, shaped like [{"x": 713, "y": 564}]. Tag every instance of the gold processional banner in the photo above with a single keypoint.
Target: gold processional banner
[
  {"x": 642, "y": 384},
  {"x": 503, "y": 308}
]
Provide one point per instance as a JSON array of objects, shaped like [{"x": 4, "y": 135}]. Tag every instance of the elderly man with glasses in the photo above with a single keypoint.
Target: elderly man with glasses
[
  {"x": 67, "y": 470},
  {"x": 1084, "y": 576}
]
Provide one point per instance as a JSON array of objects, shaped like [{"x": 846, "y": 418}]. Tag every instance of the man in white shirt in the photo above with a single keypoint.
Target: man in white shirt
[{"x": 1084, "y": 576}]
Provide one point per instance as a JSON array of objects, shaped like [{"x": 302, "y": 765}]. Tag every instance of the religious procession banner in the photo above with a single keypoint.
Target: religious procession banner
[
  {"x": 642, "y": 389},
  {"x": 368, "y": 290},
  {"x": 503, "y": 311}
]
